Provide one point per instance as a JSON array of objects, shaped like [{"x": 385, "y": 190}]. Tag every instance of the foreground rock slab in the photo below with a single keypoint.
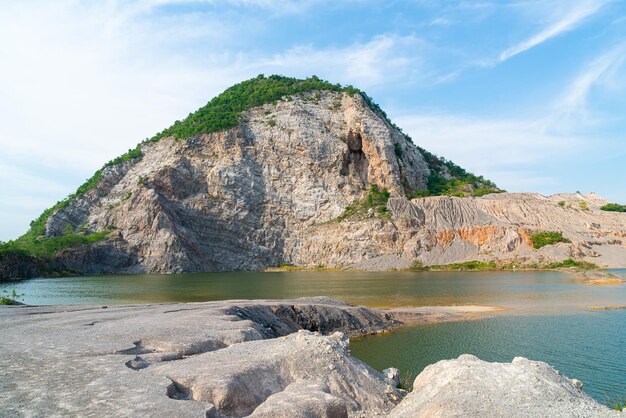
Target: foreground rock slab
[
  {"x": 470, "y": 387},
  {"x": 190, "y": 360}
]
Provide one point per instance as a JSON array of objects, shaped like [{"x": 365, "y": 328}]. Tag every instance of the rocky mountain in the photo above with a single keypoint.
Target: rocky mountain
[{"x": 283, "y": 171}]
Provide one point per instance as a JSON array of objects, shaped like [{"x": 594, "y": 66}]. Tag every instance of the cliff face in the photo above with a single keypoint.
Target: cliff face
[
  {"x": 233, "y": 199},
  {"x": 273, "y": 190}
]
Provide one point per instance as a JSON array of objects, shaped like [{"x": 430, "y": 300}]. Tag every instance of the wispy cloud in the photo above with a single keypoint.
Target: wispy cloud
[
  {"x": 572, "y": 18},
  {"x": 501, "y": 149},
  {"x": 599, "y": 71},
  {"x": 384, "y": 58}
]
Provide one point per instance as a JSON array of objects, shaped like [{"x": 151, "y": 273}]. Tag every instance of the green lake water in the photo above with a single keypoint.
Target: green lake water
[{"x": 548, "y": 319}]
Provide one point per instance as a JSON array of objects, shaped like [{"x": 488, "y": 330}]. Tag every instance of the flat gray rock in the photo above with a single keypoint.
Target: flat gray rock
[{"x": 187, "y": 360}]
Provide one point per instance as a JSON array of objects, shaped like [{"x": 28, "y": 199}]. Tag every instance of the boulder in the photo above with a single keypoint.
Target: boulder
[{"x": 470, "y": 387}]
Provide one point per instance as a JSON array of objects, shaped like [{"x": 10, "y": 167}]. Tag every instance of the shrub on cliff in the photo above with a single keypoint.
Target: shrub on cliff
[
  {"x": 613, "y": 207},
  {"x": 571, "y": 263},
  {"x": 376, "y": 200},
  {"x": 541, "y": 239},
  {"x": 462, "y": 185}
]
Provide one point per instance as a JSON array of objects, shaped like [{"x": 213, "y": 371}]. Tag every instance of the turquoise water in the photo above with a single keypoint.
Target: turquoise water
[
  {"x": 589, "y": 346},
  {"x": 548, "y": 320}
]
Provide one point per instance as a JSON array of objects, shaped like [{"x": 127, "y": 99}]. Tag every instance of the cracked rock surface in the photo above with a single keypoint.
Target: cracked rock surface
[{"x": 198, "y": 359}]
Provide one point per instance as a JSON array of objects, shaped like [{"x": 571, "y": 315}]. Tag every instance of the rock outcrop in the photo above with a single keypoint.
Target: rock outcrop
[
  {"x": 224, "y": 359},
  {"x": 231, "y": 200},
  {"x": 470, "y": 387},
  {"x": 444, "y": 229}
]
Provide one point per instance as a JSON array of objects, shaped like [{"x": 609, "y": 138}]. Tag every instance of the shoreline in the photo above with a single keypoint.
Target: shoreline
[{"x": 601, "y": 271}]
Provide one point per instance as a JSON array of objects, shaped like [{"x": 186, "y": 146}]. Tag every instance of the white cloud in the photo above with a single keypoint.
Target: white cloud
[
  {"x": 385, "y": 58},
  {"x": 501, "y": 149},
  {"x": 564, "y": 22},
  {"x": 24, "y": 194},
  {"x": 604, "y": 70}
]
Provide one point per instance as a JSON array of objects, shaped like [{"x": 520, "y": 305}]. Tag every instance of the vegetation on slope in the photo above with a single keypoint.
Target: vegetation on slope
[
  {"x": 474, "y": 265},
  {"x": 573, "y": 264},
  {"x": 34, "y": 243},
  {"x": 462, "y": 183},
  {"x": 376, "y": 200},
  {"x": 10, "y": 298},
  {"x": 224, "y": 111},
  {"x": 613, "y": 207},
  {"x": 541, "y": 239}
]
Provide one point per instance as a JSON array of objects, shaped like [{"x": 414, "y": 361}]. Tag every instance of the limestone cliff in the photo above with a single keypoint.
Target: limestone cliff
[{"x": 273, "y": 189}]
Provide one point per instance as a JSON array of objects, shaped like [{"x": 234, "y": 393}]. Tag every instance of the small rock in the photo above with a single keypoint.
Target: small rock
[{"x": 392, "y": 376}]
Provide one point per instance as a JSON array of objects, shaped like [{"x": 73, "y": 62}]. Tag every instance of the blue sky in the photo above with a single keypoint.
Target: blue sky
[{"x": 531, "y": 94}]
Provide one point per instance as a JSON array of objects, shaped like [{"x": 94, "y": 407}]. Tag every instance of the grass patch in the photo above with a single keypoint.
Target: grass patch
[
  {"x": 617, "y": 404},
  {"x": 43, "y": 247},
  {"x": 613, "y": 207},
  {"x": 417, "y": 265},
  {"x": 475, "y": 265},
  {"x": 10, "y": 298},
  {"x": 571, "y": 263},
  {"x": 467, "y": 266},
  {"x": 291, "y": 267},
  {"x": 541, "y": 239},
  {"x": 376, "y": 200}
]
